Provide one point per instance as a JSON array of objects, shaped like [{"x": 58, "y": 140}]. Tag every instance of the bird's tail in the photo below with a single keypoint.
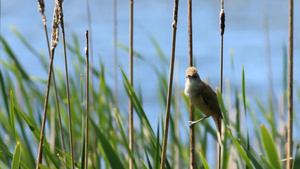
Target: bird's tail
[{"x": 218, "y": 122}]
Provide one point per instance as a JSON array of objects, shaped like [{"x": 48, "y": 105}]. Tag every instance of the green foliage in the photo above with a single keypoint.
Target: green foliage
[
  {"x": 16, "y": 157},
  {"x": 204, "y": 161},
  {"x": 20, "y": 121},
  {"x": 270, "y": 147}
]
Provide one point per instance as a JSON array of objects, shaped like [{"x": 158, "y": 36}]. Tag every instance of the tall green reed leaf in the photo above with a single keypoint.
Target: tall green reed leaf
[
  {"x": 270, "y": 147},
  {"x": 137, "y": 105},
  {"x": 37, "y": 136},
  {"x": 43, "y": 167},
  {"x": 297, "y": 158},
  {"x": 5, "y": 149},
  {"x": 157, "y": 152},
  {"x": 11, "y": 54},
  {"x": 12, "y": 114},
  {"x": 204, "y": 162},
  {"x": 16, "y": 157},
  {"x": 110, "y": 152},
  {"x": 5, "y": 98},
  {"x": 24, "y": 41},
  {"x": 266, "y": 162},
  {"x": 159, "y": 51},
  {"x": 245, "y": 107},
  {"x": 240, "y": 150},
  {"x": 251, "y": 153},
  {"x": 125, "y": 139}
]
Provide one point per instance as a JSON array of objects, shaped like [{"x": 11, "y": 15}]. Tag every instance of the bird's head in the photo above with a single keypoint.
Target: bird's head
[{"x": 192, "y": 73}]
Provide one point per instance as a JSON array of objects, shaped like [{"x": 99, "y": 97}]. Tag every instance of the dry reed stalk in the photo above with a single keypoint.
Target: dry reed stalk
[
  {"x": 61, "y": 18},
  {"x": 192, "y": 131},
  {"x": 169, "y": 97},
  {"x": 42, "y": 10},
  {"x": 90, "y": 51},
  {"x": 289, "y": 146},
  {"x": 54, "y": 42},
  {"x": 87, "y": 100},
  {"x": 131, "y": 137},
  {"x": 222, "y": 30}
]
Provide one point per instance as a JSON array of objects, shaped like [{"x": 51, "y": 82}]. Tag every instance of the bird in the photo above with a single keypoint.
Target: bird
[{"x": 204, "y": 98}]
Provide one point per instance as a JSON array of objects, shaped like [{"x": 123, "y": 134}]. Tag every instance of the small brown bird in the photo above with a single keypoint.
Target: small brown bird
[{"x": 204, "y": 98}]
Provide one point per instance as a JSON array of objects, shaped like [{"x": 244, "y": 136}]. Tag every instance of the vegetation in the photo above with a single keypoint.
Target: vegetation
[{"x": 22, "y": 100}]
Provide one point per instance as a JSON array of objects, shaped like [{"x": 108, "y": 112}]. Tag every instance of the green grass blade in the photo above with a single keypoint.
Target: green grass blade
[
  {"x": 4, "y": 149},
  {"x": 270, "y": 147},
  {"x": 5, "y": 98},
  {"x": 11, "y": 54},
  {"x": 266, "y": 162},
  {"x": 23, "y": 40},
  {"x": 252, "y": 155},
  {"x": 159, "y": 51},
  {"x": 245, "y": 107},
  {"x": 297, "y": 158},
  {"x": 111, "y": 153},
  {"x": 244, "y": 89},
  {"x": 240, "y": 150},
  {"x": 12, "y": 114},
  {"x": 136, "y": 104},
  {"x": 222, "y": 106},
  {"x": 144, "y": 165},
  {"x": 204, "y": 162},
  {"x": 60, "y": 153},
  {"x": 237, "y": 107},
  {"x": 125, "y": 140},
  {"x": 37, "y": 136},
  {"x": 135, "y": 53},
  {"x": 157, "y": 154},
  {"x": 43, "y": 167},
  {"x": 16, "y": 157},
  {"x": 148, "y": 160}
]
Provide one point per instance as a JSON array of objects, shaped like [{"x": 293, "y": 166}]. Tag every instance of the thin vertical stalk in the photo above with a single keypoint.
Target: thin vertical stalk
[
  {"x": 115, "y": 56},
  {"x": 222, "y": 30},
  {"x": 54, "y": 41},
  {"x": 192, "y": 131},
  {"x": 90, "y": 50},
  {"x": 39, "y": 157},
  {"x": 87, "y": 101},
  {"x": 42, "y": 10},
  {"x": 167, "y": 119},
  {"x": 290, "y": 92},
  {"x": 131, "y": 80},
  {"x": 67, "y": 80}
]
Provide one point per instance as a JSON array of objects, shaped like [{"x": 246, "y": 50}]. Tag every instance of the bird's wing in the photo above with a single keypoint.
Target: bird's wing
[{"x": 210, "y": 99}]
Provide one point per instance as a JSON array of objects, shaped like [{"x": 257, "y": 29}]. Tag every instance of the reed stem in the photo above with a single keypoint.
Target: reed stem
[
  {"x": 87, "y": 101},
  {"x": 67, "y": 80},
  {"x": 169, "y": 98},
  {"x": 222, "y": 30},
  {"x": 41, "y": 9},
  {"x": 290, "y": 88},
  {"x": 40, "y": 151},
  {"x": 192, "y": 131},
  {"x": 131, "y": 81}
]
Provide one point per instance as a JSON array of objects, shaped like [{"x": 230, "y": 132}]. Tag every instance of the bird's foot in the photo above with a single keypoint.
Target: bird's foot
[{"x": 191, "y": 123}]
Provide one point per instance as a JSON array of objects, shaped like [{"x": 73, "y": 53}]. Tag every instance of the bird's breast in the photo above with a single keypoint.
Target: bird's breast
[{"x": 201, "y": 105}]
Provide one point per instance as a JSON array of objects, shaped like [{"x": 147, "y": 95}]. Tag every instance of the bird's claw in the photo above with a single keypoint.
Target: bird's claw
[{"x": 191, "y": 123}]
